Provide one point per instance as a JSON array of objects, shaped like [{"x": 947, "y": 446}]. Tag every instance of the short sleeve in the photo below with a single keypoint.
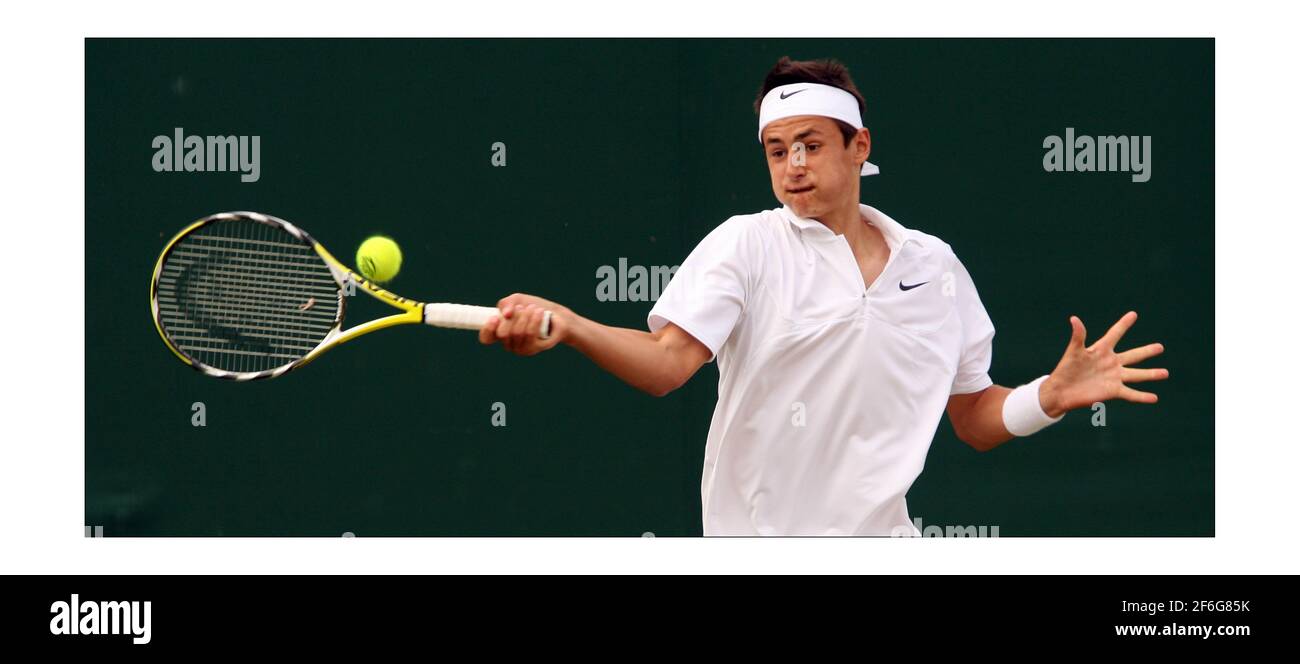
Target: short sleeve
[
  {"x": 977, "y": 336},
  {"x": 707, "y": 295}
]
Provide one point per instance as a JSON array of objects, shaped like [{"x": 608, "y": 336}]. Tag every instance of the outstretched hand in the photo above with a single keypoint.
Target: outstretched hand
[{"x": 1089, "y": 374}]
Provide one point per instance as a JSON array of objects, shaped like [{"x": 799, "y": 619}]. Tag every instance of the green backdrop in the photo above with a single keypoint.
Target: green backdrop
[{"x": 635, "y": 149}]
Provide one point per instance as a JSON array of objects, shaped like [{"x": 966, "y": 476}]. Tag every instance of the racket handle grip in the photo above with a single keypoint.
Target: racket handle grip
[{"x": 468, "y": 317}]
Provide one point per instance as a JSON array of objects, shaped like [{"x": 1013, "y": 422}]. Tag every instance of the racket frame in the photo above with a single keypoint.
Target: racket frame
[{"x": 412, "y": 311}]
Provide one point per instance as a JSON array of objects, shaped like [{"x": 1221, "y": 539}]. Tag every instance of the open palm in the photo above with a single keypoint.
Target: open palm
[{"x": 1089, "y": 374}]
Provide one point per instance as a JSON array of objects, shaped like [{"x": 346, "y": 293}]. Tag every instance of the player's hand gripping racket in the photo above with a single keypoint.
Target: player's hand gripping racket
[{"x": 243, "y": 295}]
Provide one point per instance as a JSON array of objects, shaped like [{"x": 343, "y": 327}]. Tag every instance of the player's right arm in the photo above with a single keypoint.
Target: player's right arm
[
  {"x": 655, "y": 362},
  {"x": 707, "y": 296}
]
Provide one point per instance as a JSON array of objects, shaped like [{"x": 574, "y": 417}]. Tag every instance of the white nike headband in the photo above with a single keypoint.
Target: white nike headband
[{"x": 811, "y": 99}]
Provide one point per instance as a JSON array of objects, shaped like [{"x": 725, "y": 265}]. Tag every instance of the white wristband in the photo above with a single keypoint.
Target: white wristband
[{"x": 1022, "y": 414}]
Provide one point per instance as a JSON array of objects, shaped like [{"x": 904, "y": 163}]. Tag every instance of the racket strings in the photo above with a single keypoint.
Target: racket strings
[{"x": 244, "y": 296}]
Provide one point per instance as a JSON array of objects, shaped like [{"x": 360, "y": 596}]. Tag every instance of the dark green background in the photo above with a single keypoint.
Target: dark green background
[{"x": 632, "y": 148}]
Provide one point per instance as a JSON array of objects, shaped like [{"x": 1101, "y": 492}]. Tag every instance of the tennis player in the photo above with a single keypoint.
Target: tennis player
[{"x": 841, "y": 338}]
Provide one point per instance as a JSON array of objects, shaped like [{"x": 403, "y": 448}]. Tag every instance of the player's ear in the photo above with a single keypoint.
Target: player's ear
[{"x": 862, "y": 142}]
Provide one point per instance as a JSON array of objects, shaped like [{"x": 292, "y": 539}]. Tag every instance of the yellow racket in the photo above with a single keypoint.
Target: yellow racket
[{"x": 243, "y": 296}]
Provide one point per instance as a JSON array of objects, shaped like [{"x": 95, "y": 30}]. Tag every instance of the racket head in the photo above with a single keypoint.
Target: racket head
[{"x": 245, "y": 296}]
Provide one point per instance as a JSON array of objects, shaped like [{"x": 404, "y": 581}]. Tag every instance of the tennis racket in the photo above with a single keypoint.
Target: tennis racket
[{"x": 243, "y": 296}]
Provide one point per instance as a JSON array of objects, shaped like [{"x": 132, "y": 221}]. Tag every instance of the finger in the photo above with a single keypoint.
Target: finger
[
  {"x": 519, "y": 335},
  {"x": 1142, "y": 375},
  {"x": 1116, "y": 331},
  {"x": 487, "y": 335},
  {"x": 530, "y": 340},
  {"x": 535, "y": 323},
  {"x": 1136, "y": 355},
  {"x": 508, "y": 300},
  {"x": 518, "y": 323},
  {"x": 1077, "y": 332},
  {"x": 1130, "y": 394},
  {"x": 503, "y": 332},
  {"x": 529, "y": 332}
]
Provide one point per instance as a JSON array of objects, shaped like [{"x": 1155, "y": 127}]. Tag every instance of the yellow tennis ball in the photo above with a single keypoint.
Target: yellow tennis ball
[{"x": 379, "y": 258}]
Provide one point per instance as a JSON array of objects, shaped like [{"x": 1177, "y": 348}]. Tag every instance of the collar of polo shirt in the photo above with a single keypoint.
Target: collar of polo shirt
[{"x": 894, "y": 232}]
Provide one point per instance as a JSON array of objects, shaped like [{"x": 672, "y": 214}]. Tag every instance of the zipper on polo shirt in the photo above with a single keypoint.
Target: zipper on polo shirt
[
  {"x": 857, "y": 271},
  {"x": 880, "y": 277}
]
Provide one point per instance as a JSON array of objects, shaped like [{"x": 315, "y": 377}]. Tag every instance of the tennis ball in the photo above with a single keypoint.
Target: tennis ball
[{"x": 379, "y": 258}]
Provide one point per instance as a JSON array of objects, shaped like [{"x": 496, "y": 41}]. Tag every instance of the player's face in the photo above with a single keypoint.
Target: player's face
[{"x": 812, "y": 170}]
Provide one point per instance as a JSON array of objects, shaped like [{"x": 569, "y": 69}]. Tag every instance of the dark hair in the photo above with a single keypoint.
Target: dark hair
[{"x": 826, "y": 71}]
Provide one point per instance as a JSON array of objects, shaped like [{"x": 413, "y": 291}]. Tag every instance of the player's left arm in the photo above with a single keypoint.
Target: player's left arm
[{"x": 1084, "y": 376}]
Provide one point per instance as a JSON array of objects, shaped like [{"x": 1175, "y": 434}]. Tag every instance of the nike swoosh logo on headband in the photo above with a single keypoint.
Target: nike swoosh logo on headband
[{"x": 784, "y": 95}]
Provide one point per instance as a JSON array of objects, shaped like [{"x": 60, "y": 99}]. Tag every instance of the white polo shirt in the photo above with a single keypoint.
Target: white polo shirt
[{"x": 829, "y": 391}]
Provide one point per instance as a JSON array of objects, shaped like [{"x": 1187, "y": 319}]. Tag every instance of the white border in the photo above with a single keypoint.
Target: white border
[{"x": 41, "y": 475}]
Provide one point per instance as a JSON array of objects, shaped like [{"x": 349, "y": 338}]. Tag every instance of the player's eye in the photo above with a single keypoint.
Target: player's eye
[
  {"x": 777, "y": 154},
  {"x": 813, "y": 147}
]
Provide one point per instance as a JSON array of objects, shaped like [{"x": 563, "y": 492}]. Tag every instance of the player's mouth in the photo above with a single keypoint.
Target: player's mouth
[{"x": 801, "y": 190}]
